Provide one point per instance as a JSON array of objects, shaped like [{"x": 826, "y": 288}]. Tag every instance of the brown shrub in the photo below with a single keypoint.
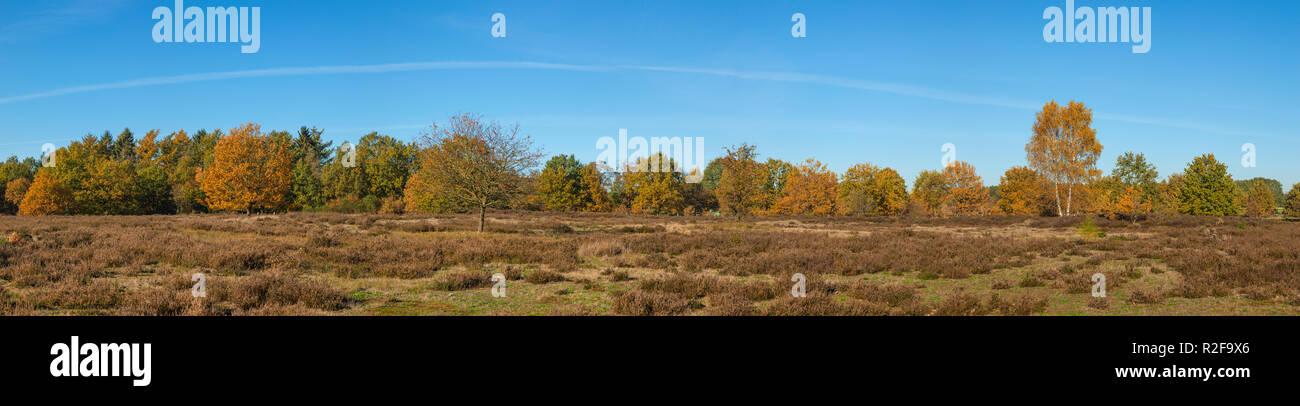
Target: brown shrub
[
  {"x": 891, "y": 294},
  {"x": 323, "y": 240},
  {"x": 644, "y": 303},
  {"x": 1030, "y": 281},
  {"x": 824, "y": 305},
  {"x": 162, "y": 301},
  {"x": 276, "y": 288},
  {"x": 542, "y": 276},
  {"x": 959, "y": 303},
  {"x": 1146, "y": 296},
  {"x": 1099, "y": 303},
  {"x": 99, "y": 294},
  {"x": 461, "y": 280},
  {"x": 730, "y": 304},
  {"x": 1022, "y": 305},
  {"x": 686, "y": 285},
  {"x": 606, "y": 247}
]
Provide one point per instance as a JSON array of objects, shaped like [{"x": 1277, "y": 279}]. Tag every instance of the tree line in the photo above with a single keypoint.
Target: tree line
[{"x": 469, "y": 164}]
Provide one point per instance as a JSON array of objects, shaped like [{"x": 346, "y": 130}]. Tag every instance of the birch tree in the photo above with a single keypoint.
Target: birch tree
[{"x": 1064, "y": 149}]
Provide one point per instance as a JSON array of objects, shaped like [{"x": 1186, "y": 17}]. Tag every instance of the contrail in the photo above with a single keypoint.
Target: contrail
[
  {"x": 294, "y": 71},
  {"x": 850, "y": 83}
]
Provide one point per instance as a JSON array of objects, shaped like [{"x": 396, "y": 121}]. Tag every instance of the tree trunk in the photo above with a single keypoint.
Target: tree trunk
[
  {"x": 482, "y": 217},
  {"x": 1069, "y": 199},
  {"x": 1056, "y": 189}
]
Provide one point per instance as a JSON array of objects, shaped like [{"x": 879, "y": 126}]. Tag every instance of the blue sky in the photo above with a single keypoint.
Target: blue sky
[{"x": 885, "y": 82}]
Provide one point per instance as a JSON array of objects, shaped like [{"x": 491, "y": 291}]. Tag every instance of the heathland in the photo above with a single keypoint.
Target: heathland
[{"x": 625, "y": 264}]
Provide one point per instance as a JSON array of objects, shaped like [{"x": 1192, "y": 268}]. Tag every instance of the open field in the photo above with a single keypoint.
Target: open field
[{"x": 615, "y": 264}]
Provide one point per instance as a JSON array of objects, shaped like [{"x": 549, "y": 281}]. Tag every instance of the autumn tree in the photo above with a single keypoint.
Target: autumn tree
[
  {"x": 1112, "y": 195},
  {"x": 1164, "y": 198},
  {"x": 422, "y": 194},
  {"x": 249, "y": 171},
  {"x": 148, "y": 150},
  {"x": 740, "y": 189},
  {"x": 966, "y": 192},
  {"x": 866, "y": 190},
  {"x": 1256, "y": 199},
  {"x": 1064, "y": 149},
  {"x": 1293, "y": 200},
  {"x": 1132, "y": 204},
  {"x": 1207, "y": 188},
  {"x": 591, "y": 183},
  {"x": 778, "y": 174},
  {"x": 929, "y": 191},
  {"x": 809, "y": 190},
  {"x": 10, "y": 171},
  {"x": 1274, "y": 188},
  {"x": 1022, "y": 191},
  {"x": 654, "y": 185},
  {"x": 560, "y": 184},
  {"x": 15, "y": 190},
  {"x": 478, "y": 164},
  {"x": 47, "y": 195}
]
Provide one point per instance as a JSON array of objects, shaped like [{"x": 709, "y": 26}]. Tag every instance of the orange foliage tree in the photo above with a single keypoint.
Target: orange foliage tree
[
  {"x": 741, "y": 182},
  {"x": 1022, "y": 191},
  {"x": 810, "y": 190},
  {"x": 966, "y": 192},
  {"x": 1132, "y": 204},
  {"x": 16, "y": 190},
  {"x": 46, "y": 195},
  {"x": 249, "y": 171}
]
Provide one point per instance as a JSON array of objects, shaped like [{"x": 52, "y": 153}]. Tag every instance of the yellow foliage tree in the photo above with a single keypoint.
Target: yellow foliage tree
[
  {"x": 423, "y": 194},
  {"x": 809, "y": 190},
  {"x": 929, "y": 191},
  {"x": 866, "y": 190},
  {"x": 149, "y": 150},
  {"x": 249, "y": 171},
  {"x": 654, "y": 186},
  {"x": 1257, "y": 200},
  {"x": 592, "y": 184}
]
